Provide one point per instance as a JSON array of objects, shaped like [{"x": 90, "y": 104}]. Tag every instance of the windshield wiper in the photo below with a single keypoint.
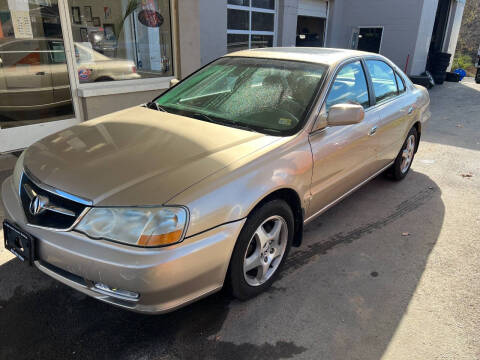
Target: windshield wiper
[
  {"x": 222, "y": 122},
  {"x": 205, "y": 117},
  {"x": 154, "y": 106}
]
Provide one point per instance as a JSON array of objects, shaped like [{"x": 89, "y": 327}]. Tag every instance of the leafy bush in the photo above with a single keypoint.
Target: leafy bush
[{"x": 464, "y": 61}]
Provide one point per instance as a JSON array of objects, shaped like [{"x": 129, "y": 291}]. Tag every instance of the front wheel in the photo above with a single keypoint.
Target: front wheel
[
  {"x": 404, "y": 159},
  {"x": 261, "y": 249}
]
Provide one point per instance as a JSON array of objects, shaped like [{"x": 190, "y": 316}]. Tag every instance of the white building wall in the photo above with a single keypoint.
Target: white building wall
[
  {"x": 202, "y": 33},
  {"x": 287, "y": 22},
  {"x": 423, "y": 37},
  {"x": 400, "y": 21},
  {"x": 453, "y": 29}
]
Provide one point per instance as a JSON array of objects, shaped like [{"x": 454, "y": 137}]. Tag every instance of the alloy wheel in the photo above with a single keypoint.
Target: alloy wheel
[
  {"x": 407, "y": 154},
  {"x": 265, "y": 250}
]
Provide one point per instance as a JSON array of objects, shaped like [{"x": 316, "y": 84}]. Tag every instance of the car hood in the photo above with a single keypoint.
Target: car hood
[{"x": 137, "y": 156}]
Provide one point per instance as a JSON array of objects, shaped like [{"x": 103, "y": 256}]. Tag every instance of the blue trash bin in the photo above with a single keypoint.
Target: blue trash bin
[{"x": 462, "y": 73}]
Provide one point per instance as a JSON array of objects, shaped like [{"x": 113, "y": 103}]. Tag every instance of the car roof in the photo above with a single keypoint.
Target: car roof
[{"x": 328, "y": 56}]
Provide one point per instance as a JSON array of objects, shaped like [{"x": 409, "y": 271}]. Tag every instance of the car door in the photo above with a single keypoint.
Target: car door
[
  {"x": 61, "y": 82},
  {"x": 393, "y": 106},
  {"x": 27, "y": 78},
  {"x": 343, "y": 156}
]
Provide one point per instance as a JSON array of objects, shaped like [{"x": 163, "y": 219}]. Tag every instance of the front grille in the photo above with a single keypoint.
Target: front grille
[{"x": 47, "y": 209}]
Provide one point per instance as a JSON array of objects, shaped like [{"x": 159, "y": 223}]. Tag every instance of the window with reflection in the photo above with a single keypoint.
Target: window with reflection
[
  {"x": 121, "y": 40},
  {"x": 350, "y": 86},
  {"x": 34, "y": 82},
  {"x": 383, "y": 80},
  {"x": 250, "y": 24}
]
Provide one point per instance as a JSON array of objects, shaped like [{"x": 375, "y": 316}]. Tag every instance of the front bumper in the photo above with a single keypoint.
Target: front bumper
[{"x": 166, "y": 278}]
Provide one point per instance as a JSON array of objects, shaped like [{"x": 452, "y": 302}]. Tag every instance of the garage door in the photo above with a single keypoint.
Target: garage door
[{"x": 315, "y": 8}]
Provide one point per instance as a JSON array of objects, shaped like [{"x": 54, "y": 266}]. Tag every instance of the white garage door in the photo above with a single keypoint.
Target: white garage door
[{"x": 315, "y": 8}]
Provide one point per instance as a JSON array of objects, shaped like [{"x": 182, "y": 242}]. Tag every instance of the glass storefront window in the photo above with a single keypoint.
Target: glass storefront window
[
  {"x": 265, "y": 4},
  {"x": 121, "y": 40},
  {"x": 237, "y": 42},
  {"x": 250, "y": 24},
  {"x": 34, "y": 82},
  {"x": 239, "y": 2},
  {"x": 261, "y": 41},
  {"x": 262, "y": 21},
  {"x": 237, "y": 19}
]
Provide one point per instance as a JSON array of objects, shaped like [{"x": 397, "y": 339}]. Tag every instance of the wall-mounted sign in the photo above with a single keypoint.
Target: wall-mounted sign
[
  {"x": 20, "y": 13},
  {"x": 150, "y": 18}
]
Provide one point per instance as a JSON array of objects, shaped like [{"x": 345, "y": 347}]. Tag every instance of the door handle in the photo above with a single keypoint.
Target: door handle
[
  {"x": 410, "y": 110},
  {"x": 40, "y": 73},
  {"x": 373, "y": 130}
]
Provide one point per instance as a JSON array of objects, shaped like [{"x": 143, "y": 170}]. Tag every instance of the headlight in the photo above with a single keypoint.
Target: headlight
[
  {"x": 141, "y": 226},
  {"x": 18, "y": 171}
]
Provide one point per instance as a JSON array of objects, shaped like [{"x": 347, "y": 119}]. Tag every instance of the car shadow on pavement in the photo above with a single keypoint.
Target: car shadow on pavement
[{"x": 342, "y": 294}]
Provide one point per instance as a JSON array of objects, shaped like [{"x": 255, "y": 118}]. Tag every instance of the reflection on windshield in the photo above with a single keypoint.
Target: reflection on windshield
[{"x": 266, "y": 95}]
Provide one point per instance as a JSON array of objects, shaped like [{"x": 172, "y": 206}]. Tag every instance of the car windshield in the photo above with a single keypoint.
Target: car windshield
[{"x": 264, "y": 95}]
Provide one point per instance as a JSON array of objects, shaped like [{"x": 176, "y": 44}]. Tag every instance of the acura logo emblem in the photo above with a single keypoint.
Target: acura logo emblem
[{"x": 38, "y": 205}]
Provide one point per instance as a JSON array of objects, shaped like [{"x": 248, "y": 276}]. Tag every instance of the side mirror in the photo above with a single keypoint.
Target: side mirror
[
  {"x": 174, "y": 82},
  {"x": 345, "y": 114}
]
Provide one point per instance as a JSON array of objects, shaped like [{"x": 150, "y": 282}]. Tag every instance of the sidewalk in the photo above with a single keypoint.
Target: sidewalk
[{"x": 7, "y": 163}]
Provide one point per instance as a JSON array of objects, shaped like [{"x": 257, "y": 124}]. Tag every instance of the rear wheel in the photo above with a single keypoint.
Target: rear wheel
[
  {"x": 404, "y": 159},
  {"x": 261, "y": 249}
]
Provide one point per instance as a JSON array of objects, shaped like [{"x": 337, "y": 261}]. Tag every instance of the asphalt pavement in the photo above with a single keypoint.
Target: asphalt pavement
[{"x": 392, "y": 272}]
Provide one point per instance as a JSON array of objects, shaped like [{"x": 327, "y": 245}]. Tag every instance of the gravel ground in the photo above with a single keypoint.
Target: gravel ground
[{"x": 392, "y": 272}]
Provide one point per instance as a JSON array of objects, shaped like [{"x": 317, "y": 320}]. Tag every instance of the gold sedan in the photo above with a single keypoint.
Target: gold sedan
[
  {"x": 34, "y": 76},
  {"x": 211, "y": 183}
]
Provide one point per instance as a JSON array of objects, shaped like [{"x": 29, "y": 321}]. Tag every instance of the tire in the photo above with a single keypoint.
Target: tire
[
  {"x": 247, "y": 284},
  {"x": 430, "y": 78},
  {"x": 452, "y": 77},
  {"x": 399, "y": 169},
  {"x": 438, "y": 68},
  {"x": 423, "y": 80},
  {"x": 103, "y": 78},
  {"x": 477, "y": 77},
  {"x": 439, "y": 77}
]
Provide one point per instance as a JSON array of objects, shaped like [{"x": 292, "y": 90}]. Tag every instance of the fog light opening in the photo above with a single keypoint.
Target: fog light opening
[{"x": 119, "y": 293}]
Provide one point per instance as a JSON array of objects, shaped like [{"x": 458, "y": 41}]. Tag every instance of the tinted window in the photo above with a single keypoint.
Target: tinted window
[
  {"x": 400, "y": 84},
  {"x": 350, "y": 86},
  {"x": 383, "y": 80}
]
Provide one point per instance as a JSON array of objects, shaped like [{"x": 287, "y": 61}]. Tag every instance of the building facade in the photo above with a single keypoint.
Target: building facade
[{"x": 67, "y": 61}]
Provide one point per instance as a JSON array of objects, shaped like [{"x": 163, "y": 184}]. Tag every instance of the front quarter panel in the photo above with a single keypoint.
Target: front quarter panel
[{"x": 233, "y": 192}]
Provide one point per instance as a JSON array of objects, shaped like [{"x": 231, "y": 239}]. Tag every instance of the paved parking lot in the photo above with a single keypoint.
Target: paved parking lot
[{"x": 392, "y": 272}]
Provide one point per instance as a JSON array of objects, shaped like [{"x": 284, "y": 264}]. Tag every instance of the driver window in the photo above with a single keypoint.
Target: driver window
[{"x": 350, "y": 86}]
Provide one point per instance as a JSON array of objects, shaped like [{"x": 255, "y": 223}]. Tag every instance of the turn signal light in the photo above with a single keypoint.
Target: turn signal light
[{"x": 162, "y": 239}]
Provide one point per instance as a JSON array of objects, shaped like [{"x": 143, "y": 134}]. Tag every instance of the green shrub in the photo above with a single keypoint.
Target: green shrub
[{"x": 462, "y": 61}]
